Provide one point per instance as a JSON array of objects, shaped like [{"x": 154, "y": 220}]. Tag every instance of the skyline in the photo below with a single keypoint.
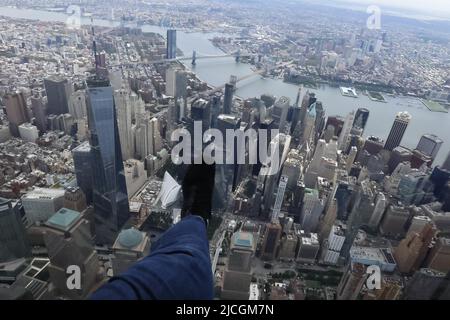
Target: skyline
[{"x": 331, "y": 178}]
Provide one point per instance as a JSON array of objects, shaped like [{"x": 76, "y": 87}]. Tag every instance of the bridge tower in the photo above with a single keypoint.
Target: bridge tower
[
  {"x": 237, "y": 55},
  {"x": 194, "y": 57}
]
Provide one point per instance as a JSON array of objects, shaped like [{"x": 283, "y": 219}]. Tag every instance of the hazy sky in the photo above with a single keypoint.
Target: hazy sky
[{"x": 437, "y": 8}]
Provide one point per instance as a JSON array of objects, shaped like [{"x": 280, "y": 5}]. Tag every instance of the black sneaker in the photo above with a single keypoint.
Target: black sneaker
[{"x": 198, "y": 187}]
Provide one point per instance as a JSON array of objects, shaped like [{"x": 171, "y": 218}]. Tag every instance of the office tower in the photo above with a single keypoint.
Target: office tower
[
  {"x": 130, "y": 246},
  {"x": 336, "y": 123},
  {"x": 380, "y": 207},
  {"x": 361, "y": 117},
  {"x": 123, "y": 109},
  {"x": 439, "y": 256},
  {"x": 77, "y": 104},
  {"x": 176, "y": 83},
  {"x": 319, "y": 123},
  {"x": 201, "y": 111},
  {"x": 446, "y": 164},
  {"x": 398, "y": 129},
  {"x": 28, "y": 132},
  {"x": 65, "y": 123},
  {"x": 288, "y": 246},
  {"x": 16, "y": 111},
  {"x": 307, "y": 130},
  {"x": 308, "y": 247},
  {"x": 332, "y": 246},
  {"x": 69, "y": 243},
  {"x": 148, "y": 137},
  {"x": 307, "y": 104},
  {"x": 82, "y": 160},
  {"x": 5, "y": 133},
  {"x": 351, "y": 158},
  {"x": 439, "y": 177},
  {"x": 373, "y": 145},
  {"x": 391, "y": 289},
  {"x": 110, "y": 197},
  {"x": 311, "y": 210},
  {"x": 280, "y": 111},
  {"x": 58, "y": 91},
  {"x": 346, "y": 186},
  {"x": 398, "y": 155},
  {"x": 279, "y": 198},
  {"x": 41, "y": 203},
  {"x": 326, "y": 224},
  {"x": 13, "y": 239},
  {"x": 228, "y": 98},
  {"x": 415, "y": 188},
  {"x": 100, "y": 59},
  {"x": 418, "y": 223},
  {"x": 423, "y": 284},
  {"x": 361, "y": 213},
  {"x": 74, "y": 199},
  {"x": 135, "y": 176},
  {"x": 292, "y": 168},
  {"x": 351, "y": 282},
  {"x": 171, "y": 44},
  {"x": 271, "y": 241},
  {"x": 323, "y": 164},
  {"x": 296, "y": 110},
  {"x": 418, "y": 159},
  {"x": 412, "y": 250},
  {"x": 394, "y": 221},
  {"x": 237, "y": 277},
  {"x": 345, "y": 133},
  {"x": 430, "y": 144},
  {"x": 39, "y": 108}
]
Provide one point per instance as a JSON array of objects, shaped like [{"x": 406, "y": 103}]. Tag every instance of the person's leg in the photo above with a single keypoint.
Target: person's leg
[{"x": 179, "y": 266}]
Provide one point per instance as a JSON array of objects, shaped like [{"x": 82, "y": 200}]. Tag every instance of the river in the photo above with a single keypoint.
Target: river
[{"x": 217, "y": 71}]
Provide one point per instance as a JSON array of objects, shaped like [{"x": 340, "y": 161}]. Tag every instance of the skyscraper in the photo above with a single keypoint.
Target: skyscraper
[
  {"x": 237, "y": 277},
  {"x": 271, "y": 241},
  {"x": 429, "y": 145},
  {"x": 446, "y": 164},
  {"x": 13, "y": 240},
  {"x": 439, "y": 257},
  {"x": 69, "y": 242},
  {"x": 345, "y": 133},
  {"x": 412, "y": 250},
  {"x": 16, "y": 111},
  {"x": 279, "y": 198},
  {"x": 110, "y": 198},
  {"x": 228, "y": 98},
  {"x": 351, "y": 282},
  {"x": 171, "y": 44},
  {"x": 82, "y": 160},
  {"x": 123, "y": 109},
  {"x": 280, "y": 111},
  {"x": 38, "y": 106},
  {"x": 423, "y": 284},
  {"x": 398, "y": 129},
  {"x": 58, "y": 93},
  {"x": 361, "y": 117}
]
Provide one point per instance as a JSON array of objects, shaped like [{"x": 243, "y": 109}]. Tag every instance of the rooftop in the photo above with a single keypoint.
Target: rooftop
[{"x": 63, "y": 219}]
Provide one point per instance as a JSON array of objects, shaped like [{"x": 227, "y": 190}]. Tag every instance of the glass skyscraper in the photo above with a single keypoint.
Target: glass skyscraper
[
  {"x": 110, "y": 198},
  {"x": 171, "y": 49}
]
